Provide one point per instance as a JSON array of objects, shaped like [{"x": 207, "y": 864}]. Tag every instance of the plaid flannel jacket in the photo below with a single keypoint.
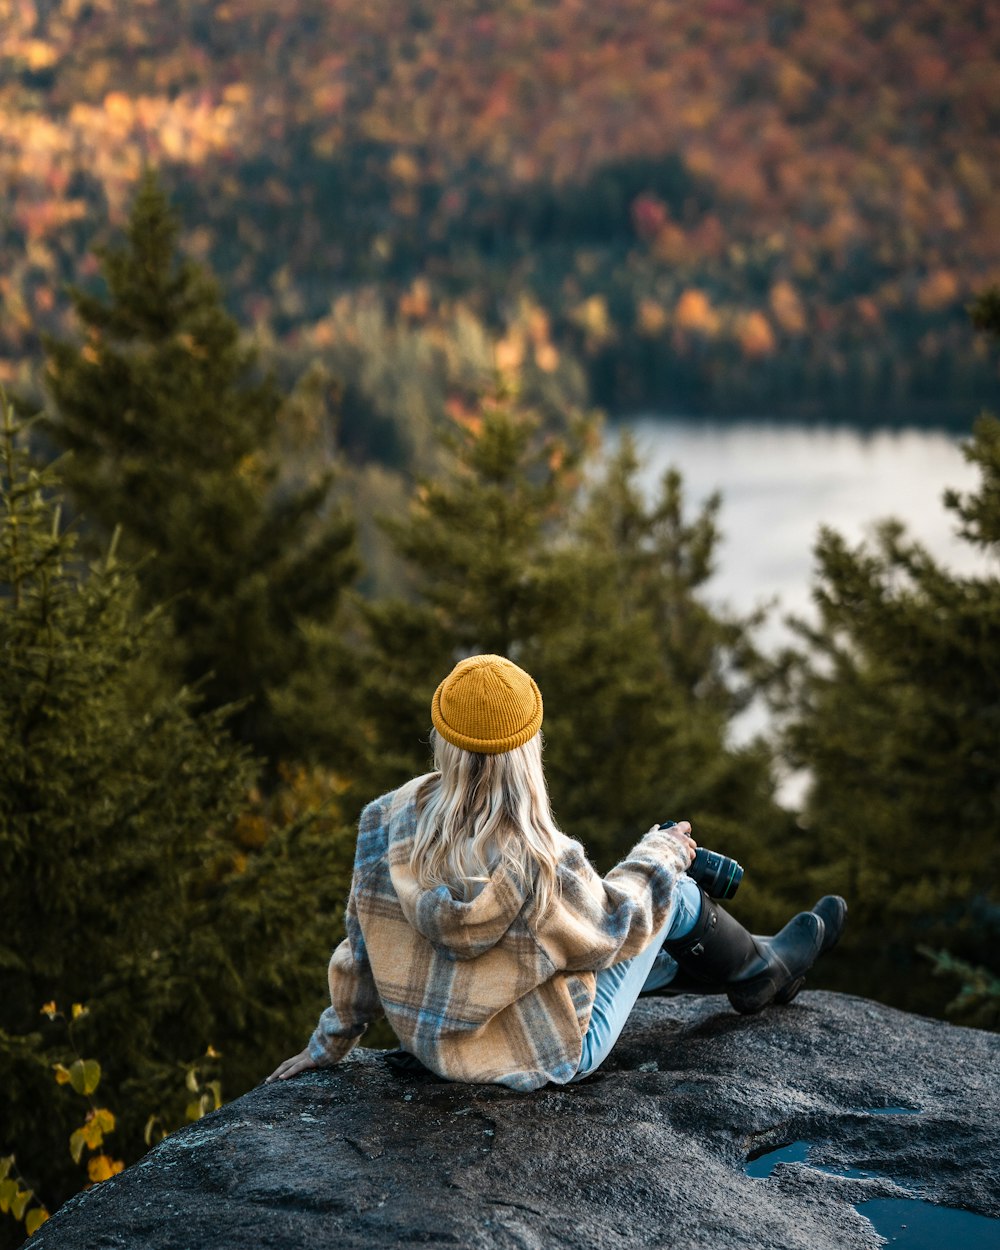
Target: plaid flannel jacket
[{"x": 487, "y": 990}]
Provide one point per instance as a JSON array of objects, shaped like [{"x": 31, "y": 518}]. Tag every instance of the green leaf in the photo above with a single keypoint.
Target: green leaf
[
  {"x": 8, "y": 1192},
  {"x": 77, "y": 1141},
  {"x": 20, "y": 1203},
  {"x": 85, "y": 1075},
  {"x": 6, "y": 1163}
]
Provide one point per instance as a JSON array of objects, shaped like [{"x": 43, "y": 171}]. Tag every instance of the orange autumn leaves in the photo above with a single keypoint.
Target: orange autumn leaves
[{"x": 694, "y": 316}]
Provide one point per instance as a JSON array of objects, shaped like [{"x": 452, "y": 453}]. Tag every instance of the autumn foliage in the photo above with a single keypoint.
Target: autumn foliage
[{"x": 821, "y": 175}]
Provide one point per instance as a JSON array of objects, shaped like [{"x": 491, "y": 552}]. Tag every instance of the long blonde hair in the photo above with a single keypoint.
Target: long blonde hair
[{"x": 481, "y": 811}]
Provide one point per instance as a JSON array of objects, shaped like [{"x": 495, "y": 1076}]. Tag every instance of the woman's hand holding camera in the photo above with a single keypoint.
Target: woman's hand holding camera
[{"x": 681, "y": 832}]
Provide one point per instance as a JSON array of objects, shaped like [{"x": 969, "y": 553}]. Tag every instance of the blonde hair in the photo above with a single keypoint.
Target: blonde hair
[{"x": 481, "y": 811}]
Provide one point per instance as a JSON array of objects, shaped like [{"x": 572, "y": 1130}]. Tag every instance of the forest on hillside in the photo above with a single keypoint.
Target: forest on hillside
[
  {"x": 205, "y": 679},
  {"x": 779, "y": 208}
]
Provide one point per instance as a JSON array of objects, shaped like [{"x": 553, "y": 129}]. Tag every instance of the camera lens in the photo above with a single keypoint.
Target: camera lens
[{"x": 718, "y": 875}]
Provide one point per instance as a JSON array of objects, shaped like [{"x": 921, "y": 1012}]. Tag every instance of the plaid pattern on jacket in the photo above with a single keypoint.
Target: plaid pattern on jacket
[{"x": 487, "y": 990}]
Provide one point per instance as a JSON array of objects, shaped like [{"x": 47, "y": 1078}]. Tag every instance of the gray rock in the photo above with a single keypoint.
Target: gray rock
[{"x": 649, "y": 1152}]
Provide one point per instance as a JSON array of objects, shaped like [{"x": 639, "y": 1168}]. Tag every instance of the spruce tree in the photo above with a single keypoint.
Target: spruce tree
[
  {"x": 173, "y": 438},
  {"x": 597, "y": 594},
  {"x": 644, "y": 680},
  {"x": 113, "y": 795},
  {"x": 141, "y": 873},
  {"x": 480, "y": 574},
  {"x": 893, "y": 708}
]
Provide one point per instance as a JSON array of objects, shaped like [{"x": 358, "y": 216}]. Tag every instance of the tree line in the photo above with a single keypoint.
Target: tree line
[{"x": 203, "y": 684}]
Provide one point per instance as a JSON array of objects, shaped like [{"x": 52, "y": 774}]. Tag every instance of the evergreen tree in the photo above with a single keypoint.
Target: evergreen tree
[
  {"x": 595, "y": 593},
  {"x": 173, "y": 438},
  {"x": 893, "y": 708},
  {"x": 112, "y": 796},
  {"x": 481, "y": 578},
  {"x": 644, "y": 679},
  {"x": 139, "y": 872}
]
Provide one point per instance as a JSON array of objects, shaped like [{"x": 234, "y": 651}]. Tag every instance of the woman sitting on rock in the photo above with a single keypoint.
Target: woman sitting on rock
[{"x": 484, "y": 935}]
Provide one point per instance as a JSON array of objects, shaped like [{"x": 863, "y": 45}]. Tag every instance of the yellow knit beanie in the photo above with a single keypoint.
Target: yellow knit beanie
[{"x": 488, "y": 705}]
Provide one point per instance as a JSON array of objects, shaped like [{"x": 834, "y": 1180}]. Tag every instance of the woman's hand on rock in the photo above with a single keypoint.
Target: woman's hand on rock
[
  {"x": 302, "y": 1062},
  {"x": 681, "y": 833}
]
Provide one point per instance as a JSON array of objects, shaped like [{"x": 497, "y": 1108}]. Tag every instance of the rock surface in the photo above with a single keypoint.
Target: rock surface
[{"x": 649, "y": 1152}]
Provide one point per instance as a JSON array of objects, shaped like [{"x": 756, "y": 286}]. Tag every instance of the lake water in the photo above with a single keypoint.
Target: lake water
[{"x": 780, "y": 483}]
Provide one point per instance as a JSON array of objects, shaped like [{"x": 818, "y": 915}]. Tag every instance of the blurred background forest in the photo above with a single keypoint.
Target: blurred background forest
[
  {"x": 310, "y": 311},
  {"x": 770, "y": 208}
]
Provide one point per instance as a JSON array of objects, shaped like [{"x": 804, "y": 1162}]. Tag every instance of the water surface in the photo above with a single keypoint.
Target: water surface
[
  {"x": 917, "y": 1225},
  {"x": 909, "y": 1223},
  {"x": 780, "y": 483}
]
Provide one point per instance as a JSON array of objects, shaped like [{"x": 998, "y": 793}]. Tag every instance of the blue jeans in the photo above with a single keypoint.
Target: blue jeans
[{"x": 619, "y": 986}]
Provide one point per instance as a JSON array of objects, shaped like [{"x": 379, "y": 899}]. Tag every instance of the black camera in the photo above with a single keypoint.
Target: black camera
[{"x": 718, "y": 875}]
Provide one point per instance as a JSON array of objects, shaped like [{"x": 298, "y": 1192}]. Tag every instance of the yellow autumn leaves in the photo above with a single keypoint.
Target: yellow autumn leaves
[
  {"x": 91, "y": 1135},
  {"x": 83, "y": 1076},
  {"x": 77, "y": 1011},
  {"x": 88, "y": 1142},
  {"x": 15, "y": 1196}
]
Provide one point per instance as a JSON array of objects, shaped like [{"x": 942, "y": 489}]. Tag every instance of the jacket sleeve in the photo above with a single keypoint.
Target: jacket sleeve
[
  {"x": 354, "y": 1000},
  {"x": 596, "y": 922}
]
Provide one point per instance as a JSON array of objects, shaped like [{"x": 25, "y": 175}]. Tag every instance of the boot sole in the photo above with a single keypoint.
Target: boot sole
[
  {"x": 834, "y": 926},
  {"x": 790, "y": 991},
  {"x": 750, "y": 1004}
]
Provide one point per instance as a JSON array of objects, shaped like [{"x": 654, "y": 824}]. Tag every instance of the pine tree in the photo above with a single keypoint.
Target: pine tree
[
  {"x": 173, "y": 439},
  {"x": 598, "y": 595},
  {"x": 112, "y": 796},
  {"x": 140, "y": 871},
  {"x": 644, "y": 680},
  {"x": 481, "y": 576},
  {"x": 894, "y": 710}
]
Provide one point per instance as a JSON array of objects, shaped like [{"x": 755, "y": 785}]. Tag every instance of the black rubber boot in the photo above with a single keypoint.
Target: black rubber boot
[
  {"x": 832, "y": 910},
  {"x": 719, "y": 955}
]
